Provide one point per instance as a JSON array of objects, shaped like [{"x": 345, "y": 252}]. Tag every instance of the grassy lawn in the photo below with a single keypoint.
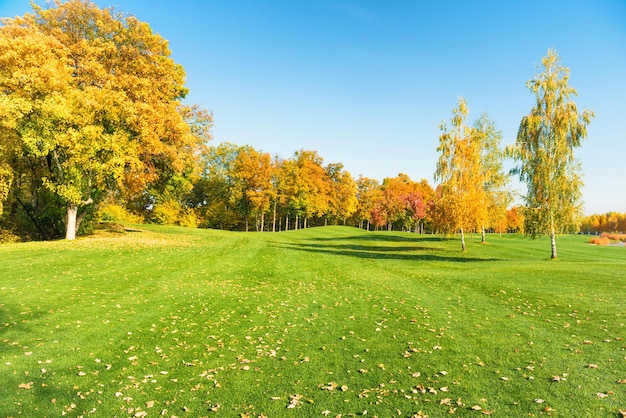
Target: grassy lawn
[{"x": 321, "y": 322}]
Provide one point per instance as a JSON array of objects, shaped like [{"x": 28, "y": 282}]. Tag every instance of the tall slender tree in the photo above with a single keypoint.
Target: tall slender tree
[
  {"x": 495, "y": 181},
  {"x": 460, "y": 171},
  {"x": 545, "y": 146}
]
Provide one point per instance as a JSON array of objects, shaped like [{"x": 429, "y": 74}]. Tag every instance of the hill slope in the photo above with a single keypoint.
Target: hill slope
[{"x": 325, "y": 321}]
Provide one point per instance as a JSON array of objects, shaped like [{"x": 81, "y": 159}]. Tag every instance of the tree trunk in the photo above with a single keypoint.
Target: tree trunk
[
  {"x": 483, "y": 239},
  {"x": 463, "y": 247},
  {"x": 262, "y": 221},
  {"x": 286, "y": 222},
  {"x": 306, "y": 222},
  {"x": 553, "y": 243},
  {"x": 70, "y": 221},
  {"x": 274, "y": 217}
]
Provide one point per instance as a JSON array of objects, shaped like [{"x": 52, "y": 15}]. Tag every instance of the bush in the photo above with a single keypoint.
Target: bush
[
  {"x": 600, "y": 240},
  {"x": 8, "y": 237},
  {"x": 115, "y": 213},
  {"x": 614, "y": 237},
  {"x": 188, "y": 218}
]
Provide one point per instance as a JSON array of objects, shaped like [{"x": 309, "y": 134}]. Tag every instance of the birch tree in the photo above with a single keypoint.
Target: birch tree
[
  {"x": 545, "y": 146},
  {"x": 460, "y": 171},
  {"x": 495, "y": 181}
]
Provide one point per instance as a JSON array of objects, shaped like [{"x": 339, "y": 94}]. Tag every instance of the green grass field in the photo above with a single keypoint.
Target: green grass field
[{"x": 321, "y": 322}]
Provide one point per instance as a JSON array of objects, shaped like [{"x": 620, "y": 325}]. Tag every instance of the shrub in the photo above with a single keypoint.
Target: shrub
[
  {"x": 188, "y": 218},
  {"x": 165, "y": 213},
  {"x": 8, "y": 237},
  {"x": 602, "y": 240},
  {"x": 115, "y": 213},
  {"x": 614, "y": 237}
]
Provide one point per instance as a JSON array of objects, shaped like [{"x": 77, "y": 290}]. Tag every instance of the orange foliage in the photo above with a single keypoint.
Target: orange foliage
[{"x": 599, "y": 241}]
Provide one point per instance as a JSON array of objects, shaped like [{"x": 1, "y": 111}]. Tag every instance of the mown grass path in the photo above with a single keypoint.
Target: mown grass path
[{"x": 321, "y": 322}]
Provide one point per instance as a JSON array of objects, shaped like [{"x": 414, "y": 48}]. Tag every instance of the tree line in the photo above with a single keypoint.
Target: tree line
[
  {"x": 93, "y": 127},
  {"x": 241, "y": 188}
]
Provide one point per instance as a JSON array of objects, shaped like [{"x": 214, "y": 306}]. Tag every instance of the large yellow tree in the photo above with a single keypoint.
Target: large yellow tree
[
  {"x": 545, "y": 147},
  {"x": 461, "y": 174},
  {"x": 96, "y": 96}
]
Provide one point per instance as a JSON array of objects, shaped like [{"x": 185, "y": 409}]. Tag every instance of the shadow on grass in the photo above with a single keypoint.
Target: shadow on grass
[{"x": 336, "y": 246}]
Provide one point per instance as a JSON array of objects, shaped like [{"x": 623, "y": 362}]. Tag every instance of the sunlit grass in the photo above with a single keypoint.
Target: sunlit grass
[{"x": 325, "y": 321}]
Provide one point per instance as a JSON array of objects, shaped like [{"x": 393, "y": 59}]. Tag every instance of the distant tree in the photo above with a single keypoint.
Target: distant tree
[
  {"x": 309, "y": 186},
  {"x": 515, "y": 220},
  {"x": 342, "y": 200},
  {"x": 461, "y": 174},
  {"x": 211, "y": 193},
  {"x": 495, "y": 181},
  {"x": 545, "y": 148},
  {"x": 252, "y": 188},
  {"x": 368, "y": 191}
]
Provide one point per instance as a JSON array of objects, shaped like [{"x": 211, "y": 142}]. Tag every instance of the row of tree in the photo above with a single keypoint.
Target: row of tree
[
  {"x": 241, "y": 188},
  {"x": 606, "y": 222}
]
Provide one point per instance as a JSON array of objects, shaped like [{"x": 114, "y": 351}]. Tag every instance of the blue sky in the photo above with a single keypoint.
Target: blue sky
[{"x": 367, "y": 83}]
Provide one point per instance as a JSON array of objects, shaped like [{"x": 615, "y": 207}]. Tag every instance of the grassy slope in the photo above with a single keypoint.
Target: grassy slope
[{"x": 203, "y": 323}]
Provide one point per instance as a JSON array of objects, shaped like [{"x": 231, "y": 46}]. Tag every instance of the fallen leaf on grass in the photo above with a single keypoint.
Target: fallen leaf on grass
[
  {"x": 329, "y": 386},
  {"x": 27, "y": 386},
  {"x": 592, "y": 366},
  {"x": 622, "y": 381},
  {"x": 294, "y": 400}
]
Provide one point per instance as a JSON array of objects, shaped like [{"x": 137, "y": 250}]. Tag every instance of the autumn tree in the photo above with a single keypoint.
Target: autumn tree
[
  {"x": 515, "y": 220},
  {"x": 545, "y": 146},
  {"x": 306, "y": 185},
  {"x": 460, "y": 171},
  {"x": 368, "y": 193},
  {"x": 342, "y": 200},
  {"x": 211, "y": 194},
  {"x": 252, "y": 189},
  {"x": 495, "y": 182},
  {"x": 92, "y": 96}
]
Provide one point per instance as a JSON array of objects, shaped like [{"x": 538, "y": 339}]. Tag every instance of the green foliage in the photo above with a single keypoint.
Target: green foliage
[{"x": 326, "y": 321}]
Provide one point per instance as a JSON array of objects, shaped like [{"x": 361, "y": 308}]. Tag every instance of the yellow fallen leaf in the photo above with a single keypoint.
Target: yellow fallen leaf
[{"x": 27, "y": 386}]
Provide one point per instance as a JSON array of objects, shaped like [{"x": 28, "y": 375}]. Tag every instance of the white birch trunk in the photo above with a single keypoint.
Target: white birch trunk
[{"x": 70, "y": 221}]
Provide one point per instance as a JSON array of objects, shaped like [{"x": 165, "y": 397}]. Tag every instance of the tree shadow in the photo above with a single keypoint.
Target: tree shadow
[
  {"x": 381, "y": 252},
  {"x": 382, "y": 237}
]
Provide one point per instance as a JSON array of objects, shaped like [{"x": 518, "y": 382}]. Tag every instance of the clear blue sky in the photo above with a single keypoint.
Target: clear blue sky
[{"x": 367, "y": 83}]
